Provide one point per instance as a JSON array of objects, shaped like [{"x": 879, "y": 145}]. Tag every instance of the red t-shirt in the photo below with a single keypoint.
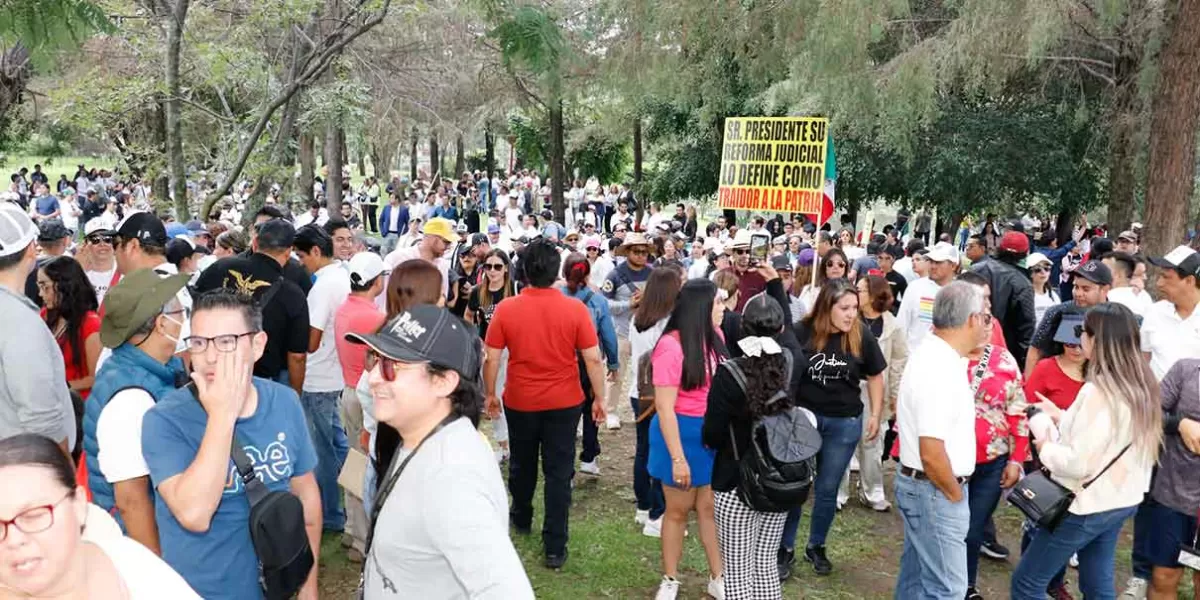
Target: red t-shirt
[
  {"x": 542, "y": 329},
  {"x": 1049, "y": 379},
  {"x": 355, "y": 315},
  {"x": 90, "y": 326}
]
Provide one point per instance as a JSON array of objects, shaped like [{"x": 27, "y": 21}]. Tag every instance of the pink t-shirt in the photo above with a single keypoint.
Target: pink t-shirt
[
  {"x": 667, "y": 361},
  {"x": 356, "y": 315}
]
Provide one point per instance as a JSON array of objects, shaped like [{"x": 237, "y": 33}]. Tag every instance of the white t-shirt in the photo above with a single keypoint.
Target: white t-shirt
[
  {"x": 1167, "y": 337},
  {"x": 146, "y": 576},
  {"x": 1043, "y": 302},
  {"x": 915, "y": 316},
  {"x": 119, "y": 435},
  {"x": 904, "y": 267},
  {"x": 512, "y": 219},
  {"x": 600, "y": 271},
  {"x": 101, "y": 280},
  {"x": 394, "y": 218},
  {"x": 401, "y": 255},
  {"x": 1127, "y": 296},
  {"x": 698, "y": 269},
  {"x": 935, "y": 401},
  {"x": 418, "y": 210},
  {"x": 329, "y": 291}
]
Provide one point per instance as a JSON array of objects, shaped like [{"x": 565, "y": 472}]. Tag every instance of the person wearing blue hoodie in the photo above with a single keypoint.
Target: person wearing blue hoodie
[{"x": 141, "y": 324}]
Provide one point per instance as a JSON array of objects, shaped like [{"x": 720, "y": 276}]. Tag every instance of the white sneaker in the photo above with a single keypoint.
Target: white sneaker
[
  {"x": 590, "y": 468},
  {"x": 881, "y": 505},
  {"x": 841, "y": 501},
  {"x": 716, "y": 588},
  {"x": 641, "y": 517},
  {"x": 1074, "y": 561},
  {"x": 854, "y": 464},
  {"x": 1135, "y": 589},
  {"x": 668, "y": 589},
  {"x": 612, "y": 421},
  {"x": 653, "y": 528}
]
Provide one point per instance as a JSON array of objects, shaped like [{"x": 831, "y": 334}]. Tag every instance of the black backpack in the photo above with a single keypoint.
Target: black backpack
[
  {"x": 276, "y": 530},
  {"x": 780, "y": 463}
]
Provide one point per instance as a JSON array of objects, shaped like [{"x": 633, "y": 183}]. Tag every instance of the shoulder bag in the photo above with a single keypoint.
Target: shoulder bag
[{"x": 1045, "y": 501}]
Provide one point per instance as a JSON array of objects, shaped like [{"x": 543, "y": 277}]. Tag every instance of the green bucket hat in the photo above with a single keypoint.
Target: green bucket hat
[{"x": 137, "y": 297}]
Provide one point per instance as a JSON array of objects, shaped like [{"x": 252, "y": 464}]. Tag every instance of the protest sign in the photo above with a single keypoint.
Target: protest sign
[{"x": 775, "y": 164}]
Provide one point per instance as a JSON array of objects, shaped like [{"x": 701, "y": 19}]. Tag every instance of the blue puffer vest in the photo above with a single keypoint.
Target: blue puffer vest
[{"x": 128, "y": 367}]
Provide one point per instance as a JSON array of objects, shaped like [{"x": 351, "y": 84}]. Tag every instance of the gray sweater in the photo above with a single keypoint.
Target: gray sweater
[
  {"x": 33, "y": 378},
  {"x": 443, "y": 531}
]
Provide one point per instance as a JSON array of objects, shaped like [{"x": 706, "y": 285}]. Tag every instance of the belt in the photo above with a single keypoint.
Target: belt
[{"x": 916, "y": 474}]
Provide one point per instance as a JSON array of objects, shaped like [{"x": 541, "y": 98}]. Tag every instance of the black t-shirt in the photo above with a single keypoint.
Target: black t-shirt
[
  {"x": 875, "y": 325},
  {"x": 898, "y": 284},
  {"x": 285, "y": 317},
  {"x": 829, "y": 386},
  {"x": 483, "y": 316}
]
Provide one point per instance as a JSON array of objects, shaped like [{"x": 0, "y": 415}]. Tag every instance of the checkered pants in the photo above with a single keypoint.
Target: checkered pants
[{"x": 749, "y": 543}]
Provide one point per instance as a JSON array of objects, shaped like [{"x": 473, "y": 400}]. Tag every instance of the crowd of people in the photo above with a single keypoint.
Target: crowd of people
[{"x": 181, "y": 401}]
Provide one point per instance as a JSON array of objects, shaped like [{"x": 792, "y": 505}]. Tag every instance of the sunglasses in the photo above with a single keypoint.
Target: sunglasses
[
  {"x": 590, "y": 250},
  {"x": 493, "y": 266},
  {"x": 836, "y": 264},
  {"x": 1040, "y": 270},
  {"x": 99, "y": 239},
  {"x": 639, "y": 251},
  {"x": 740, "y": 251},
  {"x": 387, "y": 366}
]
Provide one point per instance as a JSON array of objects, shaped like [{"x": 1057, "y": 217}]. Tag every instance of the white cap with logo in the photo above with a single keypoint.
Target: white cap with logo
[
  {"x": 17, "y": 230},
  {"x": 364, "y": 267}
]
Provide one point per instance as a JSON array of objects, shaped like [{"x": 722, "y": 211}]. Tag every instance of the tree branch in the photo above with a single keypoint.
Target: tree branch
[{"x": 1079, "y": 59}]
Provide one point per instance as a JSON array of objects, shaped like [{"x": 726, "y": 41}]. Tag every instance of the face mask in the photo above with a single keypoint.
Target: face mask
[{"x": 179, "y": 345}]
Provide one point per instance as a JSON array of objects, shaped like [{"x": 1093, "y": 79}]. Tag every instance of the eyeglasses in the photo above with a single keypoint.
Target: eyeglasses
[
  {"x": 639, "y": 251},
  {"x": 493, "y": 266},
  {"x": 740, "y": 251},
  {"x": 387, "y": 366},
  {"x": 33, "y": 520},
  {"x": 99, "y": 239},
  {"x": 836, "y": 264},
  {"x": 223, "y": 343},
  {"x": 986, "y": 317}
]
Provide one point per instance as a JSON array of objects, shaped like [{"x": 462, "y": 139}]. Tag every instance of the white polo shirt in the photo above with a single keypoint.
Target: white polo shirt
[
  {"x": 935, "y": 401},
  {"x": 329, "y": 291},
  {"x": 1167, "y": 337}
]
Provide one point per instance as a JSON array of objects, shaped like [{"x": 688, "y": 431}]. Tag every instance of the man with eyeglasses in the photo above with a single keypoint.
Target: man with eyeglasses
[
  {"x": 141, "y": 326},
  {"x": 284, "y": 304},
  {"x": 201, "y": 506},
  {"x": 623, "y": 288}
]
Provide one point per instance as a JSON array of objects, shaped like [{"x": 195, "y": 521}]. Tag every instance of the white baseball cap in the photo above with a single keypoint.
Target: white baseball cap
[
  {"x": 97, "y": 226},
  {"x": 364, "y": 267},
  {"x": 17, "y": 230},
  {"x": 943, "y": 252}
]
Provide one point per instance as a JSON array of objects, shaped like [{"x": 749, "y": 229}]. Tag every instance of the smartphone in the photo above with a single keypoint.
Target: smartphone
[{"x": 759, "y": 244}]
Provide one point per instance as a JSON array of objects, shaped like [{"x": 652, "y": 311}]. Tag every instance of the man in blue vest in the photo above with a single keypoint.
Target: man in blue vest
[{"x": 141, "y": 325}]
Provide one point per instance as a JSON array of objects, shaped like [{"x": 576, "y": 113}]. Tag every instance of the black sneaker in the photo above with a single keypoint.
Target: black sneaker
[
  {"x": 556, "y": 561},
  {"x": 994, "y": 550},
  {"x": 820, "y": 563},
  {"x": 526, "y": 530},
  {"x": 786, "y": 559},
  {"x": 973, "y": 594}
]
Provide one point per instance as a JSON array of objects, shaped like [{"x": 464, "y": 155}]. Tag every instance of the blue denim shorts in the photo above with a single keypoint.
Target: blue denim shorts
[{"x": 1169, "y": 528}]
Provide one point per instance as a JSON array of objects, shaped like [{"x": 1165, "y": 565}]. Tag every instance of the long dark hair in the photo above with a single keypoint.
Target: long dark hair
[
  {"x": 411, "y": 283},
  {"x": 823, "y": 265},
  {"x": 691, "y": 320},
  {"x": 766, "y": 375},
  {"x": 75, "y": 298},
  {"x": 481, "y": 291},
  {"x": 819, "y": 320},
  {"x": 658, "y": 298}
]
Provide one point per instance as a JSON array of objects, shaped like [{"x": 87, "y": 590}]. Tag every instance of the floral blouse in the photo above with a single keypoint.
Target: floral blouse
[{"x": 1000, "y": 424}]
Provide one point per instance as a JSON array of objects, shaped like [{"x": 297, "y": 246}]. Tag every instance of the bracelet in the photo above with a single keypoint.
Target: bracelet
[{"x": 678, "y": 460}]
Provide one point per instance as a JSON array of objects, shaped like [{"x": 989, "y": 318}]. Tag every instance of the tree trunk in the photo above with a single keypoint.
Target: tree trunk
[
  {"x": 308, "y": 166},
  {"x": 177, "y": 14},
  {"x": 1176, "y": 107},
  {"x": 435, "y": 158},
  {"x": 333, "y": 168},
  {"x": 489, "y": 150},
  {"x": 1064, "y": 225},
  {"x": 362, "y": 164},
  {"x": 15, "y": 71},
  {"x": 460, "y": 159},
  {"x": 557, "y": 152},
  {"x": 1122, "y": 149},
  {"x": 412, "y": 157},
  {"x": 637, "y": 168}
]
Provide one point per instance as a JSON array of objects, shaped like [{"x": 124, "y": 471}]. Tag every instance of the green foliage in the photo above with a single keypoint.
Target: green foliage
[
  {"x": 597, "y": 154},
  {"x": 531, "y": 139},
  {"x": 531, "y": 40},
  {"x": 47, "y": 26}
]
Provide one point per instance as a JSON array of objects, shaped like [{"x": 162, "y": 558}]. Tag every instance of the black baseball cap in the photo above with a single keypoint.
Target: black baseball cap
[
  {"x": 144, "y": 227},
  {"x": 478, "y": 239},
  {"x": 426, "y": 333},
  {"x": 52, "y": 230},
  {"x": 781, "y": 263},
  {"x": 1095, "y": 272}
]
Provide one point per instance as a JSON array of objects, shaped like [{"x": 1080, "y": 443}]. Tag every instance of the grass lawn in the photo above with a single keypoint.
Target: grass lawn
[
  {"x": 610, "y": 558},
  {"x": 53, "y": 167}
]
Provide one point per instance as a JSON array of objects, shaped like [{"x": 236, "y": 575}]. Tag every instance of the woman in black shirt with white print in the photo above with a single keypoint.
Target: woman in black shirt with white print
[{"x": 838, "y": 354}]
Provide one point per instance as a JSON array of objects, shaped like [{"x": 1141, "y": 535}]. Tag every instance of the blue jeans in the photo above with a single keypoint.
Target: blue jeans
[
  {"x": 1093, "y": 537},
  {"x": 839, "y": 438},
  {"x": 1028, "y": 528},
  {"x": 648, "y": 490},
  {"x": 934, "y": 561},
  {"x": 985, "y": 495},
  {"x": 329, "y": 442}
]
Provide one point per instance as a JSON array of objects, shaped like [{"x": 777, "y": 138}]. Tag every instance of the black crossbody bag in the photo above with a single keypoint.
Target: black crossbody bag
[
  {"x": 381, "y": 497},
  {"x": 276, "y": 529},
  {"x": 1045, "y": 501}
]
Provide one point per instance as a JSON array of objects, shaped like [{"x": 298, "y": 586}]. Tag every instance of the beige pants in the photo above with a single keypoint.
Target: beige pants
[
  {"x": 618, "y": 393},
  {"x": 356, "y": 518},
  {"x": 870, "y": 465}
]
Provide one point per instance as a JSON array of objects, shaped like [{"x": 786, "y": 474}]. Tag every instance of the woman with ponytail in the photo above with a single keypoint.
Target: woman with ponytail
[{"x": 576, "y": 271}]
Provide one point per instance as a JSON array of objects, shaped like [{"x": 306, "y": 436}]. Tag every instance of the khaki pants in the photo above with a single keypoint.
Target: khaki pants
[
  {"x": 618, "y": 393},
  {"x": 870, "y": 465},
  {"x": 357, "y": 522}
]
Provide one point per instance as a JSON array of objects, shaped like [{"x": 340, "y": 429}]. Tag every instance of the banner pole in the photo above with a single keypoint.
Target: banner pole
[{"x": 816, "y": 255}]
